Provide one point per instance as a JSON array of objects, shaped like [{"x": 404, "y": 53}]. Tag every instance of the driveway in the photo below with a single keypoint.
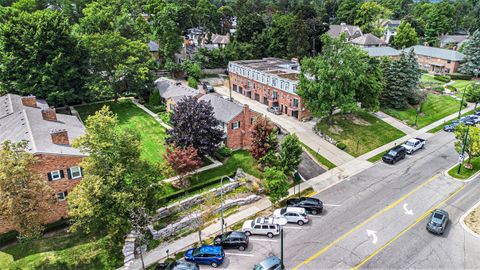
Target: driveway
[{"x": 304, "y": 130}]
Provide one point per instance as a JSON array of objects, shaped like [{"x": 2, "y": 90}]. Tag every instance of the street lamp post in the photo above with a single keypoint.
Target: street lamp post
[
  {"x": 461, "y": 104},
  {"x": 463, "y": 150},
  {"x": 221, "y": 197},
  {"x": 281, "y": 221}
]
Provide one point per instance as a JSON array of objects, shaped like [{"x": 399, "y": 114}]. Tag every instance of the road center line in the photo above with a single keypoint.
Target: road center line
[
  {"x": 407, "y": 229},
  {"x": 323, "y": 250}
]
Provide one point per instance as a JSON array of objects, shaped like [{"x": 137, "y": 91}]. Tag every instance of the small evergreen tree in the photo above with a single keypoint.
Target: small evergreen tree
[
  {"x": 154, "y": 99},
  {"x": 472, "y": 55}
]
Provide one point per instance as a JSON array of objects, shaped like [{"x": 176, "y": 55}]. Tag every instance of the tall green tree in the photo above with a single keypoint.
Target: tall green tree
[
  {"x": 405, "y": 37},
  {"x": 338, "y": 79},
  {"x": 290, "y": 155},
  {"x": 472, "y": 141},
  {"x": 117, "y": 65},
  {"x": 249, "y": 26},
  {"x": 26, "y": 197},
  {"x": 472, "y": 93},
  {"x": 207, "y": 16},
  {"x": 166, "y": 29},
  {"x": 401, "y": 81},
  {"x": 369, "y": 16},
  {"x": 347, "y": 11},
  {"x": 39, "y": 56},
  {"x": 471, "y": 66},
  {"x": 276, "y": 184},
  {"x": 116, "y": 180}
]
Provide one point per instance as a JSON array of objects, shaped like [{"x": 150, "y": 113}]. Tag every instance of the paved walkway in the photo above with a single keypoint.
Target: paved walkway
[
  {"x": 394, "y": 122},
  {"x": 304, "y": 130}
]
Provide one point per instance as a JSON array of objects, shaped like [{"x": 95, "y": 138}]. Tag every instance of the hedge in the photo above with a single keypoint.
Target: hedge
[
  {"x": 458, "y": 76},
  {"x": 8, "y": 237},
  {"x": 442, "y": 78},
  {"x": 11, "y": 236},
  {"x": 451, "y": 88},
  {"x": 342, "y": 146}
]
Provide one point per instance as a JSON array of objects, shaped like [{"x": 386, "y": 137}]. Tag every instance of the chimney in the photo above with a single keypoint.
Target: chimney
[
  {"x": 59, "y": 136},
  {"x": 49, "y": 114},
  {"x": 29, "y": 101}
]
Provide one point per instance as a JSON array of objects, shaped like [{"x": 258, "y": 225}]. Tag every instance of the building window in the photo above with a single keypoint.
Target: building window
[
  {"x": 251, "y": 121},
  {"x": 55, "y": 175},
  {"x": 448, "y": 61},
  {"x": 236, "y": 125},
  {"x": 75, "y": 172},
  {"x": 62, "y": 196}
]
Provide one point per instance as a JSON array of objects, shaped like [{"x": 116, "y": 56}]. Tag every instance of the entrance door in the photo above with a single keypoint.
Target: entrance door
[{"x": 286, "y": 109}]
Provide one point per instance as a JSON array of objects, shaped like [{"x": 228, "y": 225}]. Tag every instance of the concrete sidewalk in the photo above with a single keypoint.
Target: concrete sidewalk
[
  {"x": 394, "y": 122},
  {"x": 304, "y": 130}
]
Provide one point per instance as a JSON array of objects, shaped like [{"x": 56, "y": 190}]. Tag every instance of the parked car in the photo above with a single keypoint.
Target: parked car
[
  {"x": 207, "y": 87},
  {"x": 177, "y": 265},
  {"x": 451, "y": 127},
  {"x": 413, "y": 145},
  {"x": 270, "y": 263},
  {"x": 262, "y": 226},
  {"x": 232, "y": 240},
  {"x": 275, "y": 110},
  {"x": 292, "y": 215},
  {"x": 395, "y": 154},
  {"x": 311, "y": 205},
  {"x": 212, "y": 255},
  {"x": 468, "y": 120},
  {"x": 438, "y": 221}
]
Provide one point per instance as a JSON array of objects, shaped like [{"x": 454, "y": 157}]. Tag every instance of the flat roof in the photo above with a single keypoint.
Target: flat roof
[{"x": 274, "y": 66}]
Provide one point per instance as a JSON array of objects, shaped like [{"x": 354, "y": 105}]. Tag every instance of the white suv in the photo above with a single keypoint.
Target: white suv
[
  {"x": 292, "y": 214},
  {"x": 263, "y": 226}
]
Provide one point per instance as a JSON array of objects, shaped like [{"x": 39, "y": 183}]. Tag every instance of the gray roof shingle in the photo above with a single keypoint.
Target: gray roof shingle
[
  {"x": 168, "y": 89},
  {"x": 27, "y": 123},
  {"x": 336, "y": 30},
  {"x": 224, "y": 110},
  {"x": 381, "y": 51},
  {"x": 368, "y": 40},
  {"x": 437, "y": 53}
]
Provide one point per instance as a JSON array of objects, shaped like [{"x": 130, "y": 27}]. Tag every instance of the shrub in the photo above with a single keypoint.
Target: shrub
[
  {"x": 458, "y": 76},
  {"x": 8, "y": 237},
  {"x": 222, "y": 153},
  {"x": 451, "y": 88},
  {"x": 154, "y": 98},
  {"x": 341, "y": 146},
  {"x": 424, "y": 71},
  {"x": 438, "y": 89},
  {"x": 442, "y": 78},
  {"x": 192, "y": 82}
]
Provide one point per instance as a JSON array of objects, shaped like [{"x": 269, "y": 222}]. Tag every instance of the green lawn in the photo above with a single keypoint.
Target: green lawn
[
  {"x": 322, "y": 160},
  {"x": 133, "y": 118},
  {"x": 64, "y": 251},
  {"x": 461, "y": 84},
  {"x": 429, "y": 79},
  {"x": 434, "y": 108},
  {"x": 465, "y": 173},
  {"x": 377, "y": 157},
  {"x": 440, "y": 127},
  {"x": 361, "y": 132}
]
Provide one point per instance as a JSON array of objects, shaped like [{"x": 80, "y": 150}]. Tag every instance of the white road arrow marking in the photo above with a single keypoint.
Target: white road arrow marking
[
  {"x": 374, "y": 235},
  {"x": 407, "y": 212}
]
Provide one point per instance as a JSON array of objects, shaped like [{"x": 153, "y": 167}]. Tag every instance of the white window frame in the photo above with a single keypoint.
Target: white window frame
[
  {"x": 79, "y": 172},
  {"x": 61, "y": 196},
  {"x": 57, "y": 172},
  {"x": 236, "y": 125}
]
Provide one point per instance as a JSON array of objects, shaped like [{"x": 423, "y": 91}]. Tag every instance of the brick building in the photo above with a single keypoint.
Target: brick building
[
  {"x": 437, "y": 60},
  {"x": 49, "y": 136},
  {"x": 271, "y": 81},
  {"x": 236, "y": 120}
]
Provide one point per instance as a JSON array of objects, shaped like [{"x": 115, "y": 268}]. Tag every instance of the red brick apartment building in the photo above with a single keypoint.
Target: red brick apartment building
[
  {"x": 271, "y": 81},
  {"x": 49, "y": 136},
  {"x": 437, "y": 60}
]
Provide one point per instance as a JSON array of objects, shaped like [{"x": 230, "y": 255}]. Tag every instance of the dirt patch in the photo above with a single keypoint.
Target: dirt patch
[
  {"x": 335, "y": 129},
  {"x": 473, "y": 220},
  {"x": 357, "y": 120}
]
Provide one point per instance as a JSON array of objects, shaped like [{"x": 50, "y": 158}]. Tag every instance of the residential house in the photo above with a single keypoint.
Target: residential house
[
  {"x": 351, "y": 31},
  {"x": 271, "y": 81},
  {"x": 391, "y": 28},
  {"x": 49, "y": 136},
  {"x": 437, "y": 60},
  {"x": 368, "y": 40},
  {"x": 172, "y": 92},
  {"x": 236, "y": 120},
  {"x": 383, "y": 51},
  {"x": 216, "y": 41},
  {"x": 453, "y": 42}
]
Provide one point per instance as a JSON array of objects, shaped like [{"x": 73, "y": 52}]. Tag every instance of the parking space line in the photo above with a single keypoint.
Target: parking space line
[
  {"x": 239, "y": 254},
  {"x": 334, "y": 205},
  {"x": 290, "y": 227},
  {"x": 264, "y": 240}
]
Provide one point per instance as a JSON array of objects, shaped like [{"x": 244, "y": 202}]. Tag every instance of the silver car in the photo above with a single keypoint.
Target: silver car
[{"x": 292, "y": 215}]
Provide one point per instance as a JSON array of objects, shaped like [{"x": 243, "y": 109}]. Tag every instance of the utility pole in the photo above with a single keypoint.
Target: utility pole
[
  {"x": 461, "y": 104},
  {"x": 463, "y": 151}
]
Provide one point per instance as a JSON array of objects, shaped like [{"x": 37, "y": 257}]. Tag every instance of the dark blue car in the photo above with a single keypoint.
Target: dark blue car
[{"x": 212, "y": 255}]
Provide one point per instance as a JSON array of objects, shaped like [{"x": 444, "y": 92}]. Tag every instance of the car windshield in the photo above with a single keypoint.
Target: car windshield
[
  {"x": 392, "y": 153},
  {"x": 283, "y": 210},
  {"x": 196, "y": 252},
  {"x": 410, "y": 143},
  {"x": 437, "y": 219},
  {"x": 258, "y": 267}
]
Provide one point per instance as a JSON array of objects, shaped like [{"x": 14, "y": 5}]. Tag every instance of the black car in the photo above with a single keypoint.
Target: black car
[
  {"x": 438, "y": 221},
  {"x": 207, "y": 87},
  {"x": 311, "y": 205},
  {"x": 177, "y": 265},
  {"x": 395, "y": 154},
  {"x": 234, "y": 239},
  {"x": 451, "y": 127}
]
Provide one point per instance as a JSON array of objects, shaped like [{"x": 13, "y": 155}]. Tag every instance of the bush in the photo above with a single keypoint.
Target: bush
[
  {"x": 451, "y": 88},
  {"x": 438, "y": 89},
  {"x": 423, "y": 71},
  {"x": 8, "y": 237},
  {"x": 442, "y": 78},
  {"x": 154, "y": 98},
  {"x": 222, "y": 153},
  {"x": 341, "y": 146},
  {"x": 192, "y": 82},
  {"x": 458, "y": 76}
]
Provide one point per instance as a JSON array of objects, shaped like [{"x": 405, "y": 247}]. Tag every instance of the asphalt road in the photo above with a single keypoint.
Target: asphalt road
[{"x": 376, "y": 219}]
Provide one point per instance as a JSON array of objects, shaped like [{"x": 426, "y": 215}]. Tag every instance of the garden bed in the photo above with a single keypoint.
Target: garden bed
[
  {"x": 473, "y": 220},
  {"x": 464, "y": 172}
]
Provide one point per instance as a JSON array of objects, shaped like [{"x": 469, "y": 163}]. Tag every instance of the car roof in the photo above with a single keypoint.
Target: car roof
[
  {"x": 293, "y": 209},
  {"x": 270, "y": 261},
  {"x": 264, "y": 220},
  {"x": 184, "y": 265},
  {"x": 398, "y": 147},
  {"x": 441, "y": 211},
  {"x": 236, "y": 234},
  {"x": 211, "y": 249}
]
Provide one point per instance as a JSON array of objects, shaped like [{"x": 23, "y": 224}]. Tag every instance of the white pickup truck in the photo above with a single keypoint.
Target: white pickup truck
[{"x": 413, "y": 145}]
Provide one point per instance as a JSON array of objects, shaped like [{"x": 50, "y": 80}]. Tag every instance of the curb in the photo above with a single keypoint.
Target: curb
[
  {"x": 460, "y": 180},
  {"x": 462, "y": 221}
]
